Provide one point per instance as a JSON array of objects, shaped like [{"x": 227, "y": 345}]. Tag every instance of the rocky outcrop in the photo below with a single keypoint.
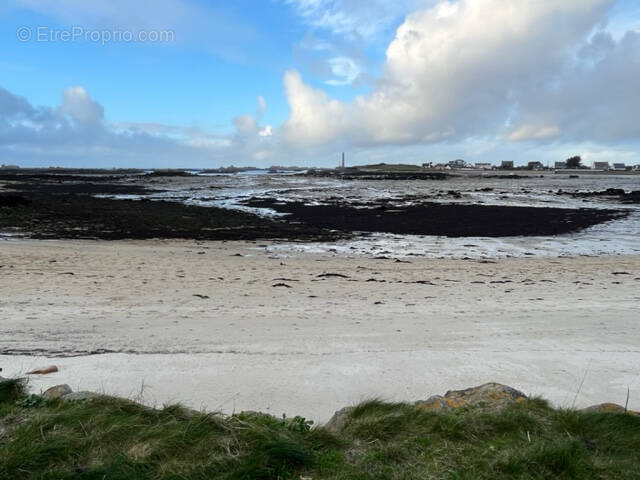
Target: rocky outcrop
[{"x": 489, "y": 395}]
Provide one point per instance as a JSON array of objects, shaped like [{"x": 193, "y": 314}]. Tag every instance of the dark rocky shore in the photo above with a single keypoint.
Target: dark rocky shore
[
  {"x": 447, "y": 219},
  {"x": 612, "y": 194},
  {"x": 45, "y": 206},
  {"x": 42, "y": 205}
]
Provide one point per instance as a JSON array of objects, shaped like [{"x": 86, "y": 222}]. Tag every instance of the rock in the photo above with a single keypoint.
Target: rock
[
  {"x": 80, "y": 396},
  {"x": 43, "y": 370},
  {"x": 492, "y": 395},
  {"x": 57, "y": 391},
  {"x": 435, "y": 403},
  {"x": 339, "y": 420},
  {"x": 608, "y": 408}
]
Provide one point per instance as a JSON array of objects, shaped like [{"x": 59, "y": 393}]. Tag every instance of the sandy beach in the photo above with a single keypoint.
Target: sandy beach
[{"x": 233, "y": 326}]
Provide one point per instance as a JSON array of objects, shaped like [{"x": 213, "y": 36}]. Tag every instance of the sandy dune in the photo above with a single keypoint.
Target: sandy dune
[{"x": 198, "y": 323}]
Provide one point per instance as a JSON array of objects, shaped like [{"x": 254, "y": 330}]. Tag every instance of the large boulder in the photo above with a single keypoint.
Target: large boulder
[
  {"x": 489, "y": 395},
  {"x": 57, "y": 392}
]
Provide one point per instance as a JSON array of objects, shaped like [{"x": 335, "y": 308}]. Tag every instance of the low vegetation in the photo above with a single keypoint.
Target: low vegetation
[{"x": 110, "y": 438}]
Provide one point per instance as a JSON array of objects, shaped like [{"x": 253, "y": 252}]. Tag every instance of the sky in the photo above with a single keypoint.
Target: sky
[{"x": 202, "y": 84}]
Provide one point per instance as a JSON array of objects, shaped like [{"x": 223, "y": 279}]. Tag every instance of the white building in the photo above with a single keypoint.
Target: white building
[
  {"x": 601, "y": 166},
  {"x": 484, "y": 166}
]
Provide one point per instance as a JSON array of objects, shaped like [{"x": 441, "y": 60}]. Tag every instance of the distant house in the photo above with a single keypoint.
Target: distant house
[
  {"x": 535, "y": 166},
  {"x": 427, "y": 165},
  {"x": 459, "y": 163},
  {"x": 506, "y": 164},
  {"x": 484, "y": 166},
  {"x": 560, "y": 165},
  {"x": 619, "y": 166},
  {"x": 601, "y": 166}
]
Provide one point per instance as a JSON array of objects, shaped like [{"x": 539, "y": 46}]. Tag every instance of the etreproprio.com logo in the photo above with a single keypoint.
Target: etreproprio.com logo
[{"x": 76, "y": 33}]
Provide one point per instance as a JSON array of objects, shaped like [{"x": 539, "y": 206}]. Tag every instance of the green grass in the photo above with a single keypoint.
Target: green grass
[{"x": 109, "y": 438}]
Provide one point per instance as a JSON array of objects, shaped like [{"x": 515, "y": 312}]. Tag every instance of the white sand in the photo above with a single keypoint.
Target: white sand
[{"x": 324, "y": 343}]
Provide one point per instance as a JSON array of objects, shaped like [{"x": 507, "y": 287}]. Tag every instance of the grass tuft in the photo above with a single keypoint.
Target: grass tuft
[
  {"x": 111, "y": 438},
  {"x": 12, "y": 389}
]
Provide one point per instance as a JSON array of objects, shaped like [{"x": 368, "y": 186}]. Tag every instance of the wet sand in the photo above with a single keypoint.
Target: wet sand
[{"x": 233, "y": 326}]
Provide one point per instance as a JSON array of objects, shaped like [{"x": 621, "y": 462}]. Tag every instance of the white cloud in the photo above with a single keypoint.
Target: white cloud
[
  {"x": 595, "y": 98},
  {"x": 40, "y": 136},
  {"x": 352, "y": 18},
  {"x": 82, "y": 109},
  {"x": 344, "y": 69},
  {"x": 245, "y": 124},
  {"x": 75, "y": 133},
  {"x": 502, "y": 68},
  {"x": 248, "y": 127},
  {"x": 267, "y": 131},
  {"x": 534, "y": 132},
  {"x": 314, "y": 118}
]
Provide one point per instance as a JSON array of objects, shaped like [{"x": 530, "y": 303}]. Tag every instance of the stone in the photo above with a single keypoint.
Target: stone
[
  {"x": 489, "y": 395},
  {"x": 339, "y": 420},
  {"x": 608, "y": 408},
  {"x": 57, "y": 391},
  {"x": 435, "y": 403},
  {"x": 80, "y": 396}
]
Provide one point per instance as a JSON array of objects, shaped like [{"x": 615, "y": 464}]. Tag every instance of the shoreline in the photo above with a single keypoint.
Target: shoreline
[
  {"x": 313, "y": 332},
  {"x": 113, "y": 208}
]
